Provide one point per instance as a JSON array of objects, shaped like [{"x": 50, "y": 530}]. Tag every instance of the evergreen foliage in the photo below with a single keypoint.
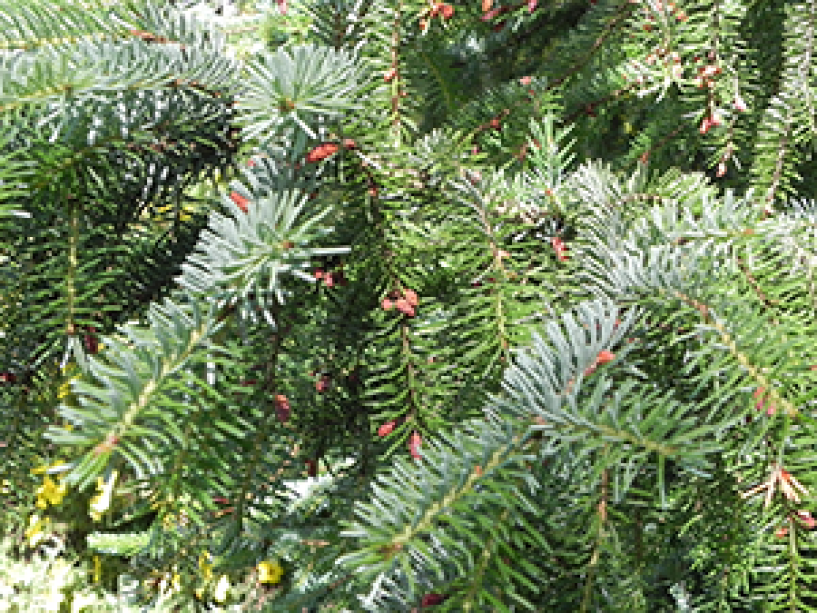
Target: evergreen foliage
[{"x": 529, "y": 286}]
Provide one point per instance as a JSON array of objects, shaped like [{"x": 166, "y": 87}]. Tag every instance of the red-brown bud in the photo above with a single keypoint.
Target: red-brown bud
[
  {"x": 808, "y": 521},
  {"x": 605, "y": 356},
  {"x": 411, "y": 297},
  {"x": 404, "y": 307},
  {"x": 91, "y": 341},
  {"x": 323, "y": 384},
  {"x": 760, "y": 396},
  {"x": 560, "y": 248},
  {"x": 282, "y": 408},
  {"x": 240, "y": 201},
  {"x": 414, "y": 444},
  {"x": 321, "y": 152},
  {"x": 430, "y": 600},
  {"x": 386, "y": 428}
]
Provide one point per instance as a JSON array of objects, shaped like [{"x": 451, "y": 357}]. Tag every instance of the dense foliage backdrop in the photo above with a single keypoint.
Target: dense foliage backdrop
[{"x": 390, "y": 305}]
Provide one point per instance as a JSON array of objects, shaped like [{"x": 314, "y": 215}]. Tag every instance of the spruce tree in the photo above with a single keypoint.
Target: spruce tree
[{"x": 527, "y": 286}]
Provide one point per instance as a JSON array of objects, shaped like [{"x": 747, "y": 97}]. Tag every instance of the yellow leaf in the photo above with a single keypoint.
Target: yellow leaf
[
  {"x": 205, "y": 567},
  {"x": 270, "y": 572},
  {"x": 97, "y": 569}
]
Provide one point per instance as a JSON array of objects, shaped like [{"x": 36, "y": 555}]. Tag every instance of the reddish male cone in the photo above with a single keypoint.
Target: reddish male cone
[
  {"x": 605, "y": 356},
  {"x": 429, "y": 600},
  {"x": 240, "y": 201},
  {"x": 404, "y": 307},
  {"x": 282, "y": 408},
  {"x": 411, "y": 297},
  {"x": 602, "y": 358},
  {"x": 415, "y": 442},
  {"x": 321, "y": 152},
  {"x": 560, "y": 248},
  {"x": 386, "y": 428},
  {"x": 760, "y": 395},
  {"x": 808, "y": 521},
  {"x": 323, "y": 383},
  {"x": 91, "y": 341}
]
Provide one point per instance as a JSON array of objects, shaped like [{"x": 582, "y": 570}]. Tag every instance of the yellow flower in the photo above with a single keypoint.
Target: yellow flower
[
  {"x": 270, "y": 572},
  {"x": 5, "y": 484},
  {"x": 65, "y": 392},
  {"x": 102, "y": 501},
  {"x": 185, "y": 213},
  {"x": 36, "y": 530},
  {"x": 97, "y": 569},
  {"x": 205, "y": 567},
  {"x": 222, "y": 588},
  {"x": 50, "y": 493},
  {"x": 44, "y": 469}
]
